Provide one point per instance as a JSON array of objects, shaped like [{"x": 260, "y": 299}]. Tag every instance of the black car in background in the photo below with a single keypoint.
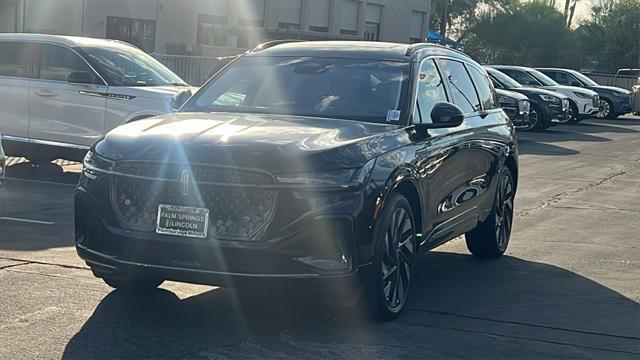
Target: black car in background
[
  {"x": 316, "y": 165},
  {"x": 614, "y": 101},
  {"x": 517, "y": 107},
  {"x": 547, "y": 107}
]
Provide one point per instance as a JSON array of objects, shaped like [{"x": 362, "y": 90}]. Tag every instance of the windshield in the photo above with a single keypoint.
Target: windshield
[
  {"x": 583, "y": 78},
  {"x": 506, "y": 81},
  {"x": 364, "y": 90},
  {"x": 542, "y": 78},
  {"x": 130, "y": 67}
]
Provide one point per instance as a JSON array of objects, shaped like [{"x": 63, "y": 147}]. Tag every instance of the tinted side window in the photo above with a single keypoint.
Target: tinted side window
[
  {"x": 56, "y": 63},
  {"x": 462, "y": 91},
  {"x": 559, "y": 77},
  {"x": 430, "y": 90},
  {"x": 485, "y": 90},
  {"x": 15, "y": 59},
  {"x": 522, "y": 77}
]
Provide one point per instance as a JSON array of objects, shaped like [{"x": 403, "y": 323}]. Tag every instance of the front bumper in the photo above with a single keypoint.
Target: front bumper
[
  {"x": 318, "y": 249},
  {"x": 556, "y": 113},
  {"x": 587, "y": 107}
]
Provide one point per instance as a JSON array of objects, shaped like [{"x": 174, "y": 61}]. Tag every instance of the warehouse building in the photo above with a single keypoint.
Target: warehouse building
[{"x": 219, "y": 27}]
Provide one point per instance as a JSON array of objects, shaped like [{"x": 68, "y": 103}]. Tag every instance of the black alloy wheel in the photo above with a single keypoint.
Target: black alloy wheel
[
  {"x": 537, "y": 119},
  {"x": 491, "y": 238},
  {"x": 395, "y": 248},
  {"x": 605, "y": 109}
]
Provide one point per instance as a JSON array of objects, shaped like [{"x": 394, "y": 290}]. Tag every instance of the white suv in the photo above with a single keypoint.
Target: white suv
[{"x": 59, "y": 94}]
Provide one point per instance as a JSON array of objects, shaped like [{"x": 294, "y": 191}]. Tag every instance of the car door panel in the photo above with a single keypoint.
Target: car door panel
[{"x": 61, "y": 111}]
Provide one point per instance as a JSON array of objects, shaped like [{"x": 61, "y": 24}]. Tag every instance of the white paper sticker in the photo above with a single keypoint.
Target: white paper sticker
[{"x": 393, "y": 115}]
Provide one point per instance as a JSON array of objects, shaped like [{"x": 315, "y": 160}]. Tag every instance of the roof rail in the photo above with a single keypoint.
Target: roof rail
[
  {"x": 270, "y": 44},
  {"x": 419, "y": 46},
  {"x": 415, "y": 47}
]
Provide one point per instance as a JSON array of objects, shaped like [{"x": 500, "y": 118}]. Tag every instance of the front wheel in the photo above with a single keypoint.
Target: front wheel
[
  {"x": 537, "y": 119},
  {"x": 491, "y": 238},
  {"x": 574, "y": 115},
  {"x": 605, "y": 109},
  {"x": 395, "y": 247}
]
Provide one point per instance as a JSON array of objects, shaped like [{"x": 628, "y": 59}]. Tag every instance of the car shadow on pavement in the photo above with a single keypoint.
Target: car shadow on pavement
[
  {"x": 44, "y": 172},
  {"x": 459, "y": 307},
  {"x": 534, "y": 147}
]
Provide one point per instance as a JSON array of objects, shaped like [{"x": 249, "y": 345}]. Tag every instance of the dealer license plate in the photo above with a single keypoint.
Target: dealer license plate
[{"x": 182, "y": 221}]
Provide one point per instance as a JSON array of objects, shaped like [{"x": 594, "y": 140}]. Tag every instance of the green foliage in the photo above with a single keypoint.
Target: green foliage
[
  {"x": 612, "y": 40},
  {"x": 535, "y": 34}
]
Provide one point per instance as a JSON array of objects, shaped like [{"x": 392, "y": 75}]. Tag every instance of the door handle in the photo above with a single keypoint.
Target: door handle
[{"x": 45, "y": 93}]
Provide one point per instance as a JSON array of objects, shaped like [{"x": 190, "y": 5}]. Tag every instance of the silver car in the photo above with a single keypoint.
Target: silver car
[{"x": 59, "y": 94}]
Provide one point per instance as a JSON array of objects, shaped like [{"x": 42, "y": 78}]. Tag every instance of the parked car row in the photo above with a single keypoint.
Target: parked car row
[{"x": 558, "y": 95}]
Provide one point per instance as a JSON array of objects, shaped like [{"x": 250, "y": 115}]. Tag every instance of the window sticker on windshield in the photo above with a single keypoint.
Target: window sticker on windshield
[{"x": 393, "y": 115}]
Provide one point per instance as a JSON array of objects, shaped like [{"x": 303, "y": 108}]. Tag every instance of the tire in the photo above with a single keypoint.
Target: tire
[
  {"x": 130, "y": 283},
  {"x": 542, "y": 123},
  {"x": 491, "y": 238},
  {"x": 395, "y": 246},
  {"x": 575, "y": 116},
  {"x": 606, "y": 110}
]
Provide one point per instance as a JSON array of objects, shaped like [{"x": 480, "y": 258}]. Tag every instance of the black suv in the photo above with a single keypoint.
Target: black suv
[
  {"x": 315, "y": 165},
  {"x": 547, "y": 107}
]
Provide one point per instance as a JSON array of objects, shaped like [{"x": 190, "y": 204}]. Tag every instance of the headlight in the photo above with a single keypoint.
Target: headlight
[
  {"x": 95, "y": 163},
  {"x": 550, "y": 98},
  {"x": 583, "y": 95},
  {"x": 524, "y": 106},
  {"x": 345, "y": 177},
  {"x": 506, "y": 100}
]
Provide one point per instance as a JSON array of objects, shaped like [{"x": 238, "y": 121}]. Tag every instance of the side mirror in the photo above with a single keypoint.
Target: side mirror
[
  {"x": 575, "y": 83},
  {"x": 81, "y": 77},
  {"x": 444, "y": 115}
]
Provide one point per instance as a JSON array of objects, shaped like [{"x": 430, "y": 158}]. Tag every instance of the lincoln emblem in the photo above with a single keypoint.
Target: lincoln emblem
[{"x": 184, "y": 182}]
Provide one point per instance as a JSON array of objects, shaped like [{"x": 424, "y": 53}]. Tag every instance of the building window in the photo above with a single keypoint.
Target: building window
[
  {"x": 139, "y": 32},
  {"x": 250, "y": 13},
  {"x": 319, "y": 12},
  {"x": 371, "y": 31},
  {"x": 207, "y": 34},
  {"x": 372, "y": 23},
  {"x": 349, "y": 18},
  {"x": 417, "y": 27},
  {"x": 290, "y": 13}
]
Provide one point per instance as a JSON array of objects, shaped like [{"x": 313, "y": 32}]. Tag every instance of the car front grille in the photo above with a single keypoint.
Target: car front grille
[{"x": 238, "y": 209}]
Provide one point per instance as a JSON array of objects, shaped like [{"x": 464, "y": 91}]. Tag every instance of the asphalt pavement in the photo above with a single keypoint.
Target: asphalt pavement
[{"x": 568, "y": 287}]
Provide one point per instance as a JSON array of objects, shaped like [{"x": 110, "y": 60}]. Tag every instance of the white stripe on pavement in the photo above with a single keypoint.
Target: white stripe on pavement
[{"x": 8, "y": 218}]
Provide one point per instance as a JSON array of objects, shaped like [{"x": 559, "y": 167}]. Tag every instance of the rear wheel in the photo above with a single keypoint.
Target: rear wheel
[
  {"x": 395, "y": 247},
  {"x": 491, "y": 238}
]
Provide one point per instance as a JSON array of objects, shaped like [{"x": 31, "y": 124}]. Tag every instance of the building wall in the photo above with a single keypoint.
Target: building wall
[{"x": 218, "y": 27}]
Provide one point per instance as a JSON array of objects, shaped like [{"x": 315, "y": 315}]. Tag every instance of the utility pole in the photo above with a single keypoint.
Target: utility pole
[{"x": 443, "y": 19}]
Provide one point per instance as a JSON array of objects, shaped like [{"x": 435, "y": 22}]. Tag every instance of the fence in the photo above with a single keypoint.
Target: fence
[
  {"x": 193, "y": 69},
  {"x": 625, "y": 82}
]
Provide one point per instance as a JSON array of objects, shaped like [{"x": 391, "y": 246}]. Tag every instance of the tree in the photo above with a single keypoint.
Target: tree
[
  {"x": 612, "y": 38},
  {"x": 532, "y": 33}
]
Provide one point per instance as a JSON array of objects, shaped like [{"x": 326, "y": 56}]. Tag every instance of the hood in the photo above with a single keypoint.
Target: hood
[
  {"x": 609, "y": 89},
  {"x": 274, "y": 143},
  {"x": 537, "y": 91},
  {"x": 571, "y": 89},
  {"x": 152, "y": 91},
  {"x": 511, "y": 94}
]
